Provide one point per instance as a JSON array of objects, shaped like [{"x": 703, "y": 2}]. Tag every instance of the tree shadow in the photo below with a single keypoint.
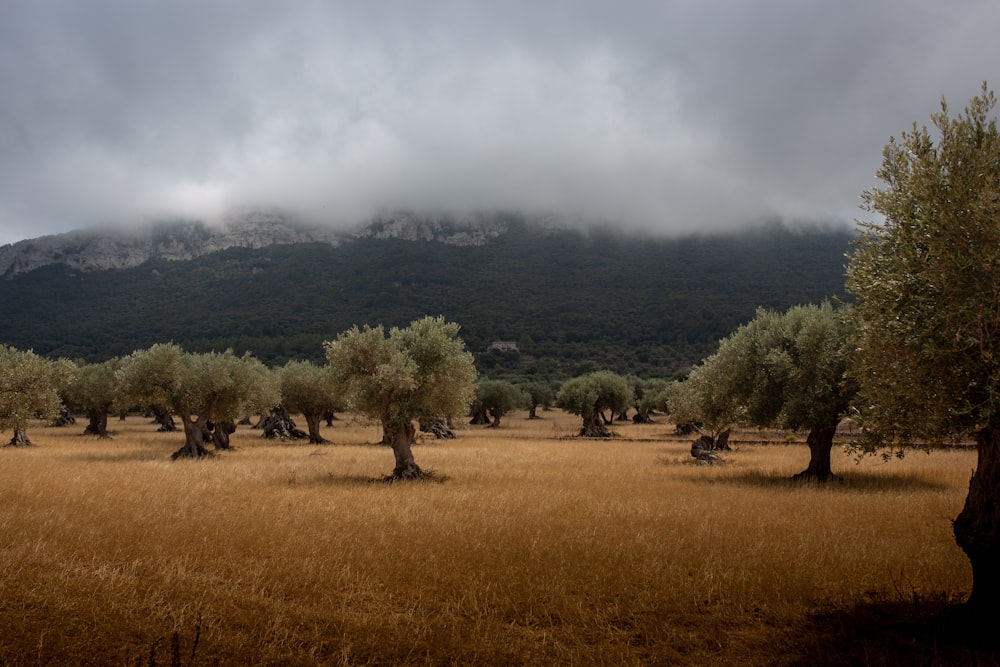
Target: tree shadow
[
  {"x": 928, "y": 632},
  {"x": 332, "y": 480},
  {"x": 850, "y": 482}
]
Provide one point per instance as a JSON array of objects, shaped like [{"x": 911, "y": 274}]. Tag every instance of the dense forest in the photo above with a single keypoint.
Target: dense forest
[{"x": 573, "y": 301}]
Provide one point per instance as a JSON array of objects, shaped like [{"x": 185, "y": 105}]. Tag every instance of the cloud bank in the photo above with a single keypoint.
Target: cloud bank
[{"x": 663, "y": 116}]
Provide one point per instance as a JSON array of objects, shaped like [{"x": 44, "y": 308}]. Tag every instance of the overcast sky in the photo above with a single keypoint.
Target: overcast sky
[{"x": 668, "y": 115}]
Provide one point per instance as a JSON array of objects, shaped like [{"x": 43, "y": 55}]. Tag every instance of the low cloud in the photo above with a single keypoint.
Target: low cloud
[{"x": 662, "y": 116}]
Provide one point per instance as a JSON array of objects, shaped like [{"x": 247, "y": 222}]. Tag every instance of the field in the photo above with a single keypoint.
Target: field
[{"x": 529, "y": 547}]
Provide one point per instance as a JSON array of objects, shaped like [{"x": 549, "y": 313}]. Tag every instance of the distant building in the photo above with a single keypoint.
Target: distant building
[{"x": 503, "y": 346}]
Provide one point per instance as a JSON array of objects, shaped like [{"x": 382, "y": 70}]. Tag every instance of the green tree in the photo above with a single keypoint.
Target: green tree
[
  {"x": 497, "y": 398},
  {"x": 695, "y": 402},
  {"x": 309, "y": 389},
  {"x": 208, "y": 392},
  {"x": 786, "y": 370},
  {"x": 420, "y": 372},
  {"x": 96, "y": 391},
  {"x": 590, "y": 395},
  {"x": 648, "y": 395},
  {"x": 30, "y": 387},
  {"x": 538, "y": 393},
  {"x": 927, "y": 282}
]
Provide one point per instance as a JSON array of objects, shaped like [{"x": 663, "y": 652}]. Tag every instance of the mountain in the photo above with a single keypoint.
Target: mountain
[
  {"x": 107, "y": 249},
  {"x": 571, "y": 300}
]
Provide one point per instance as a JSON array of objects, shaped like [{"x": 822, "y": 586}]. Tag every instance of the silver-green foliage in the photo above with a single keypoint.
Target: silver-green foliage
[
  {"x": 421, "y": 371},
  {"x": 30, "y": 387},
  {"x": 786, "y": 370},
  {"x": 927, "y": 281}
]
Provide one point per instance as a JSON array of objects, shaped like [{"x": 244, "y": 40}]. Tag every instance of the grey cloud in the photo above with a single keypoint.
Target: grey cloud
[{"x": 667, "y": 116}]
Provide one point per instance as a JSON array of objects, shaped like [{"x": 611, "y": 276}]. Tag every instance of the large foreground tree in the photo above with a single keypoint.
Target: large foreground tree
[
  {"x": 420, "y": 372},
  {"x": 29, "y": 388},
  {"x": 927, "y": 282},
  {"x": 208, "y": 392}
]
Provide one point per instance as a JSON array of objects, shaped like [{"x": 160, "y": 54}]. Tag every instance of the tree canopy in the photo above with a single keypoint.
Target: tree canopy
[
  {"x": 927, "y": 281},
  {"x": 786, "y": 370},
  {"x": 419, "y": 372},
  {"x": 590, "y": 395},
  {"x": 200, "y": 388},
  {"x": 497, "y": 398},
  {"x": 310, "y": 390},
  {"x": 29, "y": 388}
]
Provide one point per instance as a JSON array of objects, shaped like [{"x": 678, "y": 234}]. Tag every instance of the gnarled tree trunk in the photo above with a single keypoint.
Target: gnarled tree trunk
[
  {"x": 164, "y": 419},
  {"x": 401, "y": 438},
  {"x": 220, "y": 432},
  {"x": 496, "y": 414},
  {"x": 19, "y": 439},
  {"x": 97, "y": 423},
  {"x": 977, "y": 527},
  {"x": 533, "y": 412},
  {"x": 312, "y": 424},
  {"x": 820, "y": 441},
  {"x": 479, "y": 417},
  {"x": 595, "y": 427},
  {"x": 194, "y": 439},
  {"x": 440, "y": 427}
]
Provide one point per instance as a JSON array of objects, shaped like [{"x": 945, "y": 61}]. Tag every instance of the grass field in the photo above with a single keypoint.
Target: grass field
[{"x": 530, "y": 547}]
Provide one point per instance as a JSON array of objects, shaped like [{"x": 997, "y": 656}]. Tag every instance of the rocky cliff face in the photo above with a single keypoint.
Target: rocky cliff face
[{"x": 100, "y": 250}]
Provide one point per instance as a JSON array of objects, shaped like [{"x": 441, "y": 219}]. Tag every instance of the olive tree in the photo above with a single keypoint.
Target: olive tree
[
  {"x": 784, "y": 370},
  {"x": 30, "y": 387},
  {"x": 208, "y": 392},
  {"x": 538, "y": 393},
  {"x": 497, "y": 398},
  {"x": 96, "y": 391},
  {"x": 927, "y": 281},
  {"x": 648, "y": 395},
  {"x": 422, "y": 371},
  {"x": 309, "y": 389},
  {"x": 695, "y": 402},
  {"x": 590, "y": 395}
]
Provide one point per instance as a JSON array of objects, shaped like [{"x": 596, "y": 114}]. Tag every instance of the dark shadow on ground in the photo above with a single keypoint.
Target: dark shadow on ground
[
  {"x": 928, "y": 633},
  {"x": 330, "y": 479},
  {"x": 851, "y": 482}
]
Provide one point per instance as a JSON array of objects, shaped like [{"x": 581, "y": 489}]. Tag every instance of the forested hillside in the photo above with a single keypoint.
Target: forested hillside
[{"x": 572, "y": 301}]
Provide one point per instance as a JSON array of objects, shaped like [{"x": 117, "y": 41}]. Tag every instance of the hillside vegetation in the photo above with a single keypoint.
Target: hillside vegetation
[{"x": 573, "y": 301}]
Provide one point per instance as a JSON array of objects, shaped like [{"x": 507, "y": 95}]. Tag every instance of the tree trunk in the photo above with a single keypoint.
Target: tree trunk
[
  {"x": 496, "y": 414},
  {"x": 329, "y": 417},
  {"x": 441, "y": 428},
  {"x": 312, "y": 423},
  {"x": 194, "y": 439},
  {"x": 722, "y": 442},
  {"x": 595, "y": 427},
  {"x": 820, "y": 441},
  {"x": 164, "y": 419},
  {"x": 532, "y": 412},
  {"x": 479, "y": 417},
  {"x": 220, "y": 433},
  {"x": 641, "y": 417},
  {"x": 98, "y": 423},
  {"x": 401, "y": 438},
  {"x": 977, "y": 527},
  {"x": 19, "y": 439}
]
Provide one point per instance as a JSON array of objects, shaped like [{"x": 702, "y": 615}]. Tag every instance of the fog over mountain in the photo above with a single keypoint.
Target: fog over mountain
[{"x": 662, "y": 116}]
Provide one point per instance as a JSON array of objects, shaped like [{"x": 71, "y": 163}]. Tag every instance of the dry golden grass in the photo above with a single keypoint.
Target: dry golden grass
[{"x": 531, "y": 547}]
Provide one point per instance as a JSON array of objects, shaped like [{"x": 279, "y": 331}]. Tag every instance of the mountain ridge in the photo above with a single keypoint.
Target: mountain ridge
[{"x": 104, "y": 249}]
